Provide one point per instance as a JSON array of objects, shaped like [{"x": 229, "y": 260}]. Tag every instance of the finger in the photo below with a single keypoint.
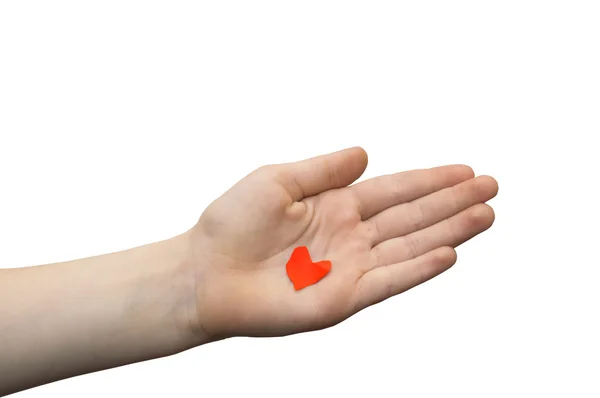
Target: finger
[
  {"x": 413, "y": 216},
  {"x": 315, "y": 175},
  {"x": 451, "y": 232},
  {"x": 379, "y": 193},
  {"x": 384, "y": 282}
]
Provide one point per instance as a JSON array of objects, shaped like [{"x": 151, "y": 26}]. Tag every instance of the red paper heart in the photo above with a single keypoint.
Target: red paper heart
[{"x": 302, "y": 271}]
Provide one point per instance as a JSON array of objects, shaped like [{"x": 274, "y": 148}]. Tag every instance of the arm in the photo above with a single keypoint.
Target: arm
[
  {"x": 65, "y": 319},
  {"x": 227, "y": 275}
]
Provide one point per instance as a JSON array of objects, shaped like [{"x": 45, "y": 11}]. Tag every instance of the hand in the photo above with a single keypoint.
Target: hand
[{"x": 383, "y": 236}]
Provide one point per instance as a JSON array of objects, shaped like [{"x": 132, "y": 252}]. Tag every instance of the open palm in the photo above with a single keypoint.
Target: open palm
[{"x": 383, "y": 236}]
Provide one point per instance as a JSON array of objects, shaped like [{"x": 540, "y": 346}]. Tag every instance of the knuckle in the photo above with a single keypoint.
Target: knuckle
[
  {"x": 412, "y": 245},
  {"x": 373, "y": 231},
  {"x": 334, "y": 177},
  {"x": 376, "y": 255},
  {"x": 417, "y": 215}
]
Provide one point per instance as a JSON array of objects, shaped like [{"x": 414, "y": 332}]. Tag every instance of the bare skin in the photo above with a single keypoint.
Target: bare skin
[
  {"x": 226, "y": 276},
  {"x": 383, "y": 236}
]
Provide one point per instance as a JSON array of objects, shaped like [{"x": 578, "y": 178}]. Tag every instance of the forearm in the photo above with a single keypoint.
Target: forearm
[{"x": 61, "y": 320}]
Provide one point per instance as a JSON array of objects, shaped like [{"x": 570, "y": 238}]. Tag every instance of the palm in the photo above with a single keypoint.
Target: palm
[
  {"x": 335, "y": 233},
  {"x": 377, "y": 241}
]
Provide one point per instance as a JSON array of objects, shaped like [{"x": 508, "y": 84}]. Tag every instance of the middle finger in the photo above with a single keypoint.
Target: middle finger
[{"x": 413, "y": 216}]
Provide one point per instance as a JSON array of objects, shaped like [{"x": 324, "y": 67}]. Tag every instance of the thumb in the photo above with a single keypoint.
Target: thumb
[{"x": 318, "y": 174}]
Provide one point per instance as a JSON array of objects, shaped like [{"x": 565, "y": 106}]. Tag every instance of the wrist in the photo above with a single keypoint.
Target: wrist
[
  {"x": 216, "y": 307},
  {"x": 180, "y": 292}
]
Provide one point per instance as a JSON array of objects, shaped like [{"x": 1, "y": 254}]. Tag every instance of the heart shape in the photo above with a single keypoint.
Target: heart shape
[{"x": 302, "y": 271}]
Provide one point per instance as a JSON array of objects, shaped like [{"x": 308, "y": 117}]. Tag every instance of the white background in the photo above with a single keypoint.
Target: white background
[{"x": 121, "y": 120}]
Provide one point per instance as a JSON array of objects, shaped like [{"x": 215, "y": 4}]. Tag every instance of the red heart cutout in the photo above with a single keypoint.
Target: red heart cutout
[{"x": 302, "y": 271}]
